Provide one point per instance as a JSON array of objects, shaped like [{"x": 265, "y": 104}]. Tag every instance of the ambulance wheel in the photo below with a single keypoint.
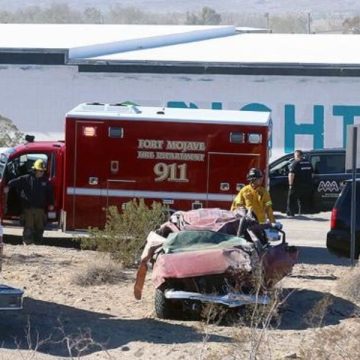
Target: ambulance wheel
[{"x": 164, "y": 308}]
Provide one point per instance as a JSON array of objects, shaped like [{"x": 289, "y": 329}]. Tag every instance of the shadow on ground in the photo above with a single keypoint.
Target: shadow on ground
[
  {"x": 302, "y": 217},
  {"x": 298, "y": 310},
  {"x": 305, "y": 309},
  {"x": 64, "y": 328},
  {"x": 318, "y": 256},
  {"x": 66, "y": 242}
]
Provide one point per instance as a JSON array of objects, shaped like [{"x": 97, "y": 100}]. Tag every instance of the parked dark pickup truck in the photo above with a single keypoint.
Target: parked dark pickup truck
[{"x": 329, "y": 175}]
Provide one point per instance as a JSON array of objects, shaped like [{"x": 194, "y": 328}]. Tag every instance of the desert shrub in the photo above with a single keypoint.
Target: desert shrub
[
  {"x": 9, "y": 133},
  {"x": 125, "y": 232},
  {"x": 101, "y": 272},
  {"x": 252, "y": 325},
  {"x": 316, "y": 315},
  {"x": 349, "y": 286},
  {"x": 338, "y": 343}
]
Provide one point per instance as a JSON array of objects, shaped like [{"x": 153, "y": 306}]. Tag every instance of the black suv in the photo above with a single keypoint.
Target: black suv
[
  {"x": 338, "y": 238},
  {"x": 329, "y": 174}
]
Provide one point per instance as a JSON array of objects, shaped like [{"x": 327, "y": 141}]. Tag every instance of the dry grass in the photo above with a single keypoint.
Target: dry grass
[
  {"x": 335, "y": 342},
  {"x": 341, "y": 342},
  {"x": 315, "y": 316},
  {"x": 254, "y": 334},
  {"x": 77, "y": 344},
  {"x": 349, "y": 285},
  {"x": 102, "y": 272},
  {"x": 252, "y": 326},
  {"x": 324, "y": 342}
]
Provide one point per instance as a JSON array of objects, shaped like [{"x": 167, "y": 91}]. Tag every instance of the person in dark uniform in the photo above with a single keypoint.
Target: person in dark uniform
[
  {"x": 300, "y": 185},
  {"x": 36, "y": 196}
]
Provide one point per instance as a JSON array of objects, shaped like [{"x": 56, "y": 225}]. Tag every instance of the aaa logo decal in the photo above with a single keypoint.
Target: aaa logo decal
[{"x": 328, "y": 186}]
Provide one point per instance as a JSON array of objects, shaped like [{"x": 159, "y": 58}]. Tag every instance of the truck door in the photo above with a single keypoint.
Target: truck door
[
  {"x": 278, "y": 182},
  {"x": 21, "y": 165},
  {"x": 226, "y": 175},
  {"x": 329, "y": 174}
]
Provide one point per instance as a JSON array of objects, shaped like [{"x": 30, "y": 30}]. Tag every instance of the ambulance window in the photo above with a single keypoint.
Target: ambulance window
[
  {"x": 116, "y": 132},
  {"x": 237, "y": 138}
]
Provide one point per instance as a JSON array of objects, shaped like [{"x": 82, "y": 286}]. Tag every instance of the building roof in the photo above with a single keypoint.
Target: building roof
[
  {"x": 180, "y": 49},
  {"x": 250, "y": 48},
  {"x": 81, "y": 40}
]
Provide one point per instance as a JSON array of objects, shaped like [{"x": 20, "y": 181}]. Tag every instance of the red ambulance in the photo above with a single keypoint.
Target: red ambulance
[{"x": 112, "y": 153}]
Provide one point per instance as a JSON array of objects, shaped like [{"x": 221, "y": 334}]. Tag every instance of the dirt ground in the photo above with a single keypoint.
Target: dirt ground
[{"x": 63, "y": 320}]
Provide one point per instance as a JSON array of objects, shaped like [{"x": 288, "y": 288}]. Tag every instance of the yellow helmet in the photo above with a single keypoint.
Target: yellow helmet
[{"x": 39, "y": 165}]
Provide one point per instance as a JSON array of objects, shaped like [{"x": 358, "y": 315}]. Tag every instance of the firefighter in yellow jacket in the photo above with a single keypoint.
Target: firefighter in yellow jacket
[{"x": 255, "y": 198}]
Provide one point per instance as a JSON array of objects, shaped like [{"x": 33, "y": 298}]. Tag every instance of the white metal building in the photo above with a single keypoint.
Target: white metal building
[{"x": 309, "y": 82}]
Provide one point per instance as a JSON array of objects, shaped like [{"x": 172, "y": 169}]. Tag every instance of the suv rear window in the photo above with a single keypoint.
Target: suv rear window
[
  {"x": 343, "y": 203},
  {"x": 328, "y": 163}
]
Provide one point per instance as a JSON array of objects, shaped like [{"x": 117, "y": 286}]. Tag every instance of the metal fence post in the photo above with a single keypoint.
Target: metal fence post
[{"x": 353, "y": 197}]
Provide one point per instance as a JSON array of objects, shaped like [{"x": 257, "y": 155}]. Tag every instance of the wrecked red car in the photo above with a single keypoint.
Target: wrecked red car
[{"x": 213, "y": 256}]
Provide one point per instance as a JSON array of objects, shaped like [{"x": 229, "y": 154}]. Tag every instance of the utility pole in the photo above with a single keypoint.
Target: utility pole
[
  {"x": 267, "y": 17},
  {"x": 309, "y": 23}
]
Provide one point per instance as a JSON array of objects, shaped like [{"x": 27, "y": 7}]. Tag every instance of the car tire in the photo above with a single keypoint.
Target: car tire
[{"x": 164, "y": 308}]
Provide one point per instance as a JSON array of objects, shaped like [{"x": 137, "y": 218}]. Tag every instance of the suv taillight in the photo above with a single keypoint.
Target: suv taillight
[{"x": 333, "y": 219}]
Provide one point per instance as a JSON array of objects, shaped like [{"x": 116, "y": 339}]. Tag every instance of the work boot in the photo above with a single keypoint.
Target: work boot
[
  {"x": 27, "y": 236},
  {"x": 38, "y": 237},
  {"x": 27, "y": 241}
]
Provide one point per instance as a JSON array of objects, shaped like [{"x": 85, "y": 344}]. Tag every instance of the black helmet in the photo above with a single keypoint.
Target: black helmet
[{"x": 254, "y": 174}]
